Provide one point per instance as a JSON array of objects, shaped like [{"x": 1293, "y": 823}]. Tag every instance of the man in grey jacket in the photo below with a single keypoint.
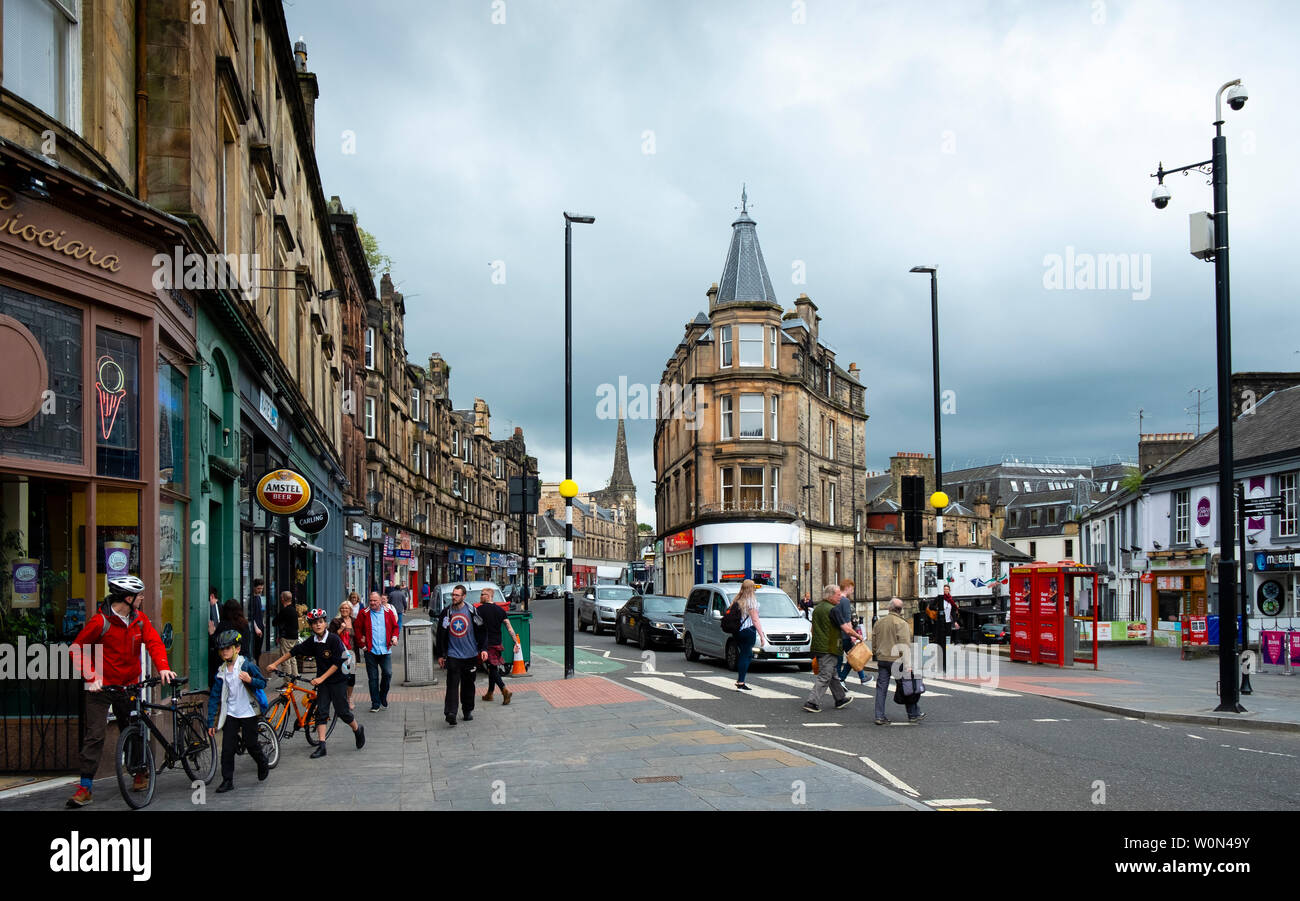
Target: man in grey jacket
[{"x": 891, "y": 643}]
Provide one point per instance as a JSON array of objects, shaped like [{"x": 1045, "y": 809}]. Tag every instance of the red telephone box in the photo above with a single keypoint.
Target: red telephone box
[{"x": 1050, "y": 602}]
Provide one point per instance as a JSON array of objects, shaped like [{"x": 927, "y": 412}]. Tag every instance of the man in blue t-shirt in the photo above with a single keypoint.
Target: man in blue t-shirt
[{"x": 460, "y": 648}]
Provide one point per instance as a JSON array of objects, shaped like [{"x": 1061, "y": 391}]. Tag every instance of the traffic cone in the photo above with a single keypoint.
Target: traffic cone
[{"x": 518, "y": 669}]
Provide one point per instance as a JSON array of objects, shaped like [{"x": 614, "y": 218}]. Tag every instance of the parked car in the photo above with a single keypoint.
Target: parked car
[
  {"x": 551, "y": 591},
  {"x": 598, "y": 607},
  {"x": 789, "y": 635},
  {"x": 995, "y": 633},
  {"x": 650, "y": 619},
  {"x": 440, "y": 597}
]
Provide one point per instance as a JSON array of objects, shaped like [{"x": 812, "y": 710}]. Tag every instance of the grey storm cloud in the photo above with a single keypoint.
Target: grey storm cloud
[{"x": 984, "y": 138}]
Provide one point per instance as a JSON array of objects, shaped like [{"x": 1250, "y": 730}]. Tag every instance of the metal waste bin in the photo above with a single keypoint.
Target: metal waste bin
[
  {"x": 417, "y": 652},
  {"x": 522, "y": 621}
]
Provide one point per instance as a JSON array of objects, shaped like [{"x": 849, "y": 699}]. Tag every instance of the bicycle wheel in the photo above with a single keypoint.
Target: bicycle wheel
[
  {"x": 312, "y": 715},
  {"x": 134, "y": 757},
  {"x": 198, "y": 750},
  {"x": 269, "y": 742},
  {"x": 277, "y": 717}
]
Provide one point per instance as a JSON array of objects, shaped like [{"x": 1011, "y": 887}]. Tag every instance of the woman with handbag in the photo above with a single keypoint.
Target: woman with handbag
[{"x": 751, "y": 631}]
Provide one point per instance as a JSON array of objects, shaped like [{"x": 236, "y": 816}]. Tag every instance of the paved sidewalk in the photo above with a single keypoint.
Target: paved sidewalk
[
  {"x": 585, "y": 743},
  {"x": 1156, "y": 684}
]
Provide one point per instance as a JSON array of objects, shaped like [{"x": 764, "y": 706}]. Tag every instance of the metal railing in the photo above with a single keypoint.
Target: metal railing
[{"x": 758, "y": 507}]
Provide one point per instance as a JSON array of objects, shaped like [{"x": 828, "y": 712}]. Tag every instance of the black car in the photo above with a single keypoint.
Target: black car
[
  {"x": 650, "y": 619},
  {"x": 995, "y": 633}
]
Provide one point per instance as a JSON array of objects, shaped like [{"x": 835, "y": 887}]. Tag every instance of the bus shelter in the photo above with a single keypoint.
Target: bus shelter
[{"x": 1051, "y": 607}]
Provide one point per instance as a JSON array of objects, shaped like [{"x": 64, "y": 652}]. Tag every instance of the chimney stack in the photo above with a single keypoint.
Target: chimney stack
[{"x": 308, "y": 86}]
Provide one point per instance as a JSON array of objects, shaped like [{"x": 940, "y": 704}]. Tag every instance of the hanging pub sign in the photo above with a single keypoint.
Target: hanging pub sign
[
  {"x": 313, "y": 519},
  {"x": 283, "y": 491}
]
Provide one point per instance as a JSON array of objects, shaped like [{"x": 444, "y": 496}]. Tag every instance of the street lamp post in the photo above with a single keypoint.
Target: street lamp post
[
  {"x": 1217, "y": 168},
  {"x": 569, "y": 488}
]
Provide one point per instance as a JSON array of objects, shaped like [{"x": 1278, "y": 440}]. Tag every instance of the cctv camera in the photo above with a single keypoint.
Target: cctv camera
[
  {"x": 1160, "y": 196},
  {"x": 1237, "y": 96}
]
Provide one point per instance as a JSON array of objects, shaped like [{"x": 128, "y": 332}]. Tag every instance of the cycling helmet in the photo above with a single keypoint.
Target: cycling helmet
[
  {"x": 227, "y": 639},
  {"x": 315, "y": 614},
  {"x": 121, "y": 586}
]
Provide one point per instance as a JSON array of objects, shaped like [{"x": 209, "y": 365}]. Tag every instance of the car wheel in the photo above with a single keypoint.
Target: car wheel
[
  {"x": 733, "y": 655},
  {"x": 595, "y": 623},
  {"x": 643, "y": 639},
  {"x": 688, "y": 649},
  {"x": 582, "y": 626},
  {"x": 618, "y": 632}
]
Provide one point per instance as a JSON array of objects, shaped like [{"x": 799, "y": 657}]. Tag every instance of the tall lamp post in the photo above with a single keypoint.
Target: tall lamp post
[
  {"x": 938, "y": 494},
  {"x": 1217, "y": 168},
  {"x": 569, "y": 488}
]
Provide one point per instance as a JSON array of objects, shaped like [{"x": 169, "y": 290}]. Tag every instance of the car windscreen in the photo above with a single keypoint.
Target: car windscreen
[
  {"x": 665, "y": 606},
  {"x": 613, "y": 594},
  {"x": 775, "y": 604}
]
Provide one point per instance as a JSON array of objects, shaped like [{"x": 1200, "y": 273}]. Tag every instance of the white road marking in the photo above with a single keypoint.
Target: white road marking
[
  {"x": 674, "y": 689},
  {"x": 1111, "y": 719},
  {"x": 823, "y": 725},
  {"x": 1197, "y": 737},
  {"x": 1219, "y": 729},
  {"x": 957, "y": 686},
  {"x": 795, "y": 741},
  {"x": 890, "y": 777},
  {"x": 1157, "y": 725},
  {"x": 1047, "y": 721},
  {"x": 749, "y": 726},
  {"x": 955, "y": 802},
  {"x": 977, "y": 723},
  {"x": 1270, "y": 753},
  {"x": 756, "y": 691},
  {"x": 807, "y": 683}
]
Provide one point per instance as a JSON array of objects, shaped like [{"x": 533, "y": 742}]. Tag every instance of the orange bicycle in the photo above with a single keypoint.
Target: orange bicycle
[{"x": 303, "y": 703}]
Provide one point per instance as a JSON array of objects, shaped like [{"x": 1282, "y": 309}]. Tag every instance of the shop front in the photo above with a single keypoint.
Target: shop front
[
  {"x": 1180, "y": 588},
  {"x": 264, "y": 536},
  {"x": 95, "y": 458},
  {"x": 356, "y": 559},
  {"x": 733, "y": 552},
  {"x": 679, "y": 563},
  {"x": 1274, "y": 588}
]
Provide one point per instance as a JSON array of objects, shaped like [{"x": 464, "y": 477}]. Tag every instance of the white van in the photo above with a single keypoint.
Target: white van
[{"x": 789, "y": 635}]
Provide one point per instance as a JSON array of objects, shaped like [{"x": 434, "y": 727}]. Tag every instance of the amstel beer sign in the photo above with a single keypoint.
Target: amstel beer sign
[{"x": 283, "y": 492}]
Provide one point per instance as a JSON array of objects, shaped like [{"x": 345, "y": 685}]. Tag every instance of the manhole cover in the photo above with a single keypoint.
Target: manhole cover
[{"x": 658, "y": 779}]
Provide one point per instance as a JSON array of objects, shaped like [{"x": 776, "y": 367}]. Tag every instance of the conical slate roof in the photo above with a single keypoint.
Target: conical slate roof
[
  {"x": 744, "y": 276},
  {"x": 622, "y": 477}
]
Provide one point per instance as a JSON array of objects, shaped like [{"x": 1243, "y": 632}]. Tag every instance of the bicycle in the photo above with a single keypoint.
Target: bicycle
[
  {"x": 190, "y": 744},
  {"x": 277, "y": 715},
  {"x": 267, "y": 740}
]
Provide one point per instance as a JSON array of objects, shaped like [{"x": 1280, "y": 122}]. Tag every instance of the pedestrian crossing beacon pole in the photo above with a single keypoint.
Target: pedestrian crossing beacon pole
[{"x": 569, "y": 488}]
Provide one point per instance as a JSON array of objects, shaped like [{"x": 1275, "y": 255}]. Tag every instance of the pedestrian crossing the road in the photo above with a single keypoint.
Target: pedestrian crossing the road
[{"x": 685, "y": 687}]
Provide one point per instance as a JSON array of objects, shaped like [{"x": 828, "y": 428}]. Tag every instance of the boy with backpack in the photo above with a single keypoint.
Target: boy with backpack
[{"x": 239, "y": 692}]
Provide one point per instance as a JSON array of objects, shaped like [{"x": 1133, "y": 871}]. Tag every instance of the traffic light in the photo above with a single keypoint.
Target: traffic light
[
  {"x": 524, "y": 492},
  {"x": 913, "y": 503}
]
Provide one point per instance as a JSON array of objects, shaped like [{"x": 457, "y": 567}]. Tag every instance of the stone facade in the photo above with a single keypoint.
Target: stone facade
[{"x": 774, "y": 433}]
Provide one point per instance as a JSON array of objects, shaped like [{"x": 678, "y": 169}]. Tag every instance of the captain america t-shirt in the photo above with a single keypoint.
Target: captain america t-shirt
[{"x": 459, "y": 624}]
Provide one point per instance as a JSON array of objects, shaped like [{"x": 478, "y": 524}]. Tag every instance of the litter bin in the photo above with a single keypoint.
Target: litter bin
[
  {"x": 417, "y": 651},
  {"x": 522, "y": 622}
]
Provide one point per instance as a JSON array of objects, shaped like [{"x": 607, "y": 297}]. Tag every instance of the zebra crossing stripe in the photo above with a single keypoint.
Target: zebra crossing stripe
[
  {"x": 674, "y": 689},
  {"x": 756, "y": 691},
  {"x": 988, "y": 692}
]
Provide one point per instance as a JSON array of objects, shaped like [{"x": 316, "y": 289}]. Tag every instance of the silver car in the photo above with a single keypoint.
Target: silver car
[
  {"x": 599, "y": 606},
  {"x": 789, "y": 635}
]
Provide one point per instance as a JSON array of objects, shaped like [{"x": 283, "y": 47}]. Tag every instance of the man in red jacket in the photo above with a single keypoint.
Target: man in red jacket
[
  {"x": 120, "y": 628},
  {"x": 377, "y": 633}
]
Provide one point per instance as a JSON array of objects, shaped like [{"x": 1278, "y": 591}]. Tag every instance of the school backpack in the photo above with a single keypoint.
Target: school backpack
[{"x": 731, "y": 619}]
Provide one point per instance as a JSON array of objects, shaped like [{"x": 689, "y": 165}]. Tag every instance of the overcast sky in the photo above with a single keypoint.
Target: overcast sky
[{"x": 978, "y": 137}]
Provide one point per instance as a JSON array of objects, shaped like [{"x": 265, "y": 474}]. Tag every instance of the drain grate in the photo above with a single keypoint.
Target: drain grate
[{"x": 644, "y": 779}]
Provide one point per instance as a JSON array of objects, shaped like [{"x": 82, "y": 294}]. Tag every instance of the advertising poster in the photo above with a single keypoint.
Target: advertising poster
[
  {"x": 1272, "y": 647},
  {"x": 26, "y": 582},
  {"x": 1048, "y": 620},
  {"x": 117, "y": 559},
  {"x": 1295, "y": 649},
  {"x": 1021, "y": 621}
]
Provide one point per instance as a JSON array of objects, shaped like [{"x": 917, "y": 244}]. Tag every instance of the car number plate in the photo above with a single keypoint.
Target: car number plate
[{"x": 783, "y": 654}]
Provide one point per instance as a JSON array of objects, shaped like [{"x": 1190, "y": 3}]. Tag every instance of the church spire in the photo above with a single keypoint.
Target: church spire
[{"x": 622, "y": 477}]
